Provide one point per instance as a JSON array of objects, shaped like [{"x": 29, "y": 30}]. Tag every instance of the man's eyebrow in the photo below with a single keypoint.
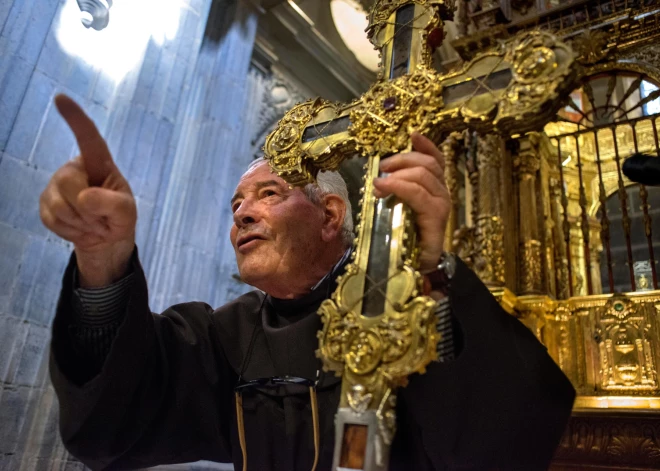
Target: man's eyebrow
[
  {"x": 235, "y": 197},
  {"x": 259, "y": 186},
  {"x": 267, "y": 183}
]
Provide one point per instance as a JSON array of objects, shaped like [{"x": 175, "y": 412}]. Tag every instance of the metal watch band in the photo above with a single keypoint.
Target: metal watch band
[{"x": 440, "y": 278}]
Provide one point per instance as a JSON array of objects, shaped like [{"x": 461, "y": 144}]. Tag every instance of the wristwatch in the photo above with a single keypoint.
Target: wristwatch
[{"x": 440, "y": 278}]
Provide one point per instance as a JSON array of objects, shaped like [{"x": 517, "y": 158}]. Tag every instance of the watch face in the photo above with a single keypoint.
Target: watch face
[
  {"x": 451, "y": 265},
  {"x": 448, "y": 264}
]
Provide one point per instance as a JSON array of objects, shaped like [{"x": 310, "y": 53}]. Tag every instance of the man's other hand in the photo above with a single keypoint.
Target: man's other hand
[
  {"x": 89, "y": 203},
  {"x": 418, "y": 179}
]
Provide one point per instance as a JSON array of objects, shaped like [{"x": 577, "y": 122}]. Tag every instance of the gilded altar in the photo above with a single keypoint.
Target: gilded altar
[{"x": 566, "y": 242}]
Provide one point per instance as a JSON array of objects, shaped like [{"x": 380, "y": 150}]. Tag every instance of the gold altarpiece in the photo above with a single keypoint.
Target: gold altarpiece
[{"x": 536, "y": 216}]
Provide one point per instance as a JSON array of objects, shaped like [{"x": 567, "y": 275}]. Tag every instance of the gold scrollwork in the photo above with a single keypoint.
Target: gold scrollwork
[
  {"x": 541, "y": 71},
  {"x": 298, "y": 159},
  {"x": 364, "y": 352},
  {"x": 391, "y": 110}
]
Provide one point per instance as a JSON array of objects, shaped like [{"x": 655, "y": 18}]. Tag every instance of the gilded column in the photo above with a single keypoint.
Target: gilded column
[
  {"x": 489, "y": 227},
  {"x": 451, "y": 149},
  {"x": 527, "y": 164},
  {"x": 559, "y": 244},
  {"x": 546, "y": 223}
]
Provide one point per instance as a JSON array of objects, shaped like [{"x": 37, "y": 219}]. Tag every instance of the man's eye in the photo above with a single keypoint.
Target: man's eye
[
  {"x": 235, "y": 207},
  {"x": 269, "y": 193}
]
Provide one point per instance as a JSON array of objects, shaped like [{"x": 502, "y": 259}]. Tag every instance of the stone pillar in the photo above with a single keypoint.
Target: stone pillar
[
  {"x": 527, "y": 164},
  {"x": 136, "y": 110},
  {"x": 188, "y": 255},
  {"x": 489, "y": 237}
]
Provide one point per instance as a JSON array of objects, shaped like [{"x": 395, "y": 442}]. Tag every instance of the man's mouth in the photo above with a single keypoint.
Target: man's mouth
[{"x": 248, "y": 241}]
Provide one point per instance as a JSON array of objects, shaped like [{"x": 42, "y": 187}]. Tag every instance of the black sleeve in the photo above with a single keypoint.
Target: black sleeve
[
  {"x": 97, "y": 314},
  {"x": 162, "y": 395},
  {"x": 502, "y": 404}
]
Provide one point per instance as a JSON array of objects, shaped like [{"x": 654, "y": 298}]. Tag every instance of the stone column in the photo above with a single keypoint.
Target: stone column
[
  {"x": 527, "y": 164},
  {"x": 187, "y": 256}
]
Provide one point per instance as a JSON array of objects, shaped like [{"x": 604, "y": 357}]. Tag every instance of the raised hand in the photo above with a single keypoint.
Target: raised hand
[
  {"x": 418, "y": 179},
  {"x": 89, "y": 203}
]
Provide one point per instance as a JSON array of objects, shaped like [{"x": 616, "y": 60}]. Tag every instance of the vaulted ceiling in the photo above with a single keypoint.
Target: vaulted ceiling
[{"x": 301, "y": 40}]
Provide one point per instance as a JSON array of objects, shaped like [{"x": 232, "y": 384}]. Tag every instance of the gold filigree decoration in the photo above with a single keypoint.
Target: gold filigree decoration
[
  {"x": 297, "y": 159},
  {"x": 390, "y": 111},
  {"x": 541, "y": 72}
]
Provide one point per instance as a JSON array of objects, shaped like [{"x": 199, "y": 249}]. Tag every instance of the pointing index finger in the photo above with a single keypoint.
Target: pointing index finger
[{"x": 93, "y": 148}]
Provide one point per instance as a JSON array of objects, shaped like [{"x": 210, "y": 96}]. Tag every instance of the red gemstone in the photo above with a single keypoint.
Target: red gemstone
[
  {"x": 389, "y": 103},
  {"x": 435, "y": 38}
]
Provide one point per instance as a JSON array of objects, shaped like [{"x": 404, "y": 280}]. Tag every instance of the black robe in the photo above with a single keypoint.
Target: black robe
[{"x": 165, "y": 391}]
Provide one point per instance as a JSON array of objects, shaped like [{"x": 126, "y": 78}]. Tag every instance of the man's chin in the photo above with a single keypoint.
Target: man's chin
[{"x": 253, "y": 277}]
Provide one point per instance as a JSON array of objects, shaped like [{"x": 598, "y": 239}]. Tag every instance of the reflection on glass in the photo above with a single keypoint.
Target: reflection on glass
[
  {"x": 375, "y": 286},
  {"x": 653, "y": 106},
  {"x": 495, "y": 81},
  {"x": 402, "y": 41},
  {"x": 325, "y": 129}
]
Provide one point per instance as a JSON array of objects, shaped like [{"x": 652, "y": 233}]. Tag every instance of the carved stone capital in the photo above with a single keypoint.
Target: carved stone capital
[
  {"x": 527, "y": 163},
  {"x": 527, "y": 160}
]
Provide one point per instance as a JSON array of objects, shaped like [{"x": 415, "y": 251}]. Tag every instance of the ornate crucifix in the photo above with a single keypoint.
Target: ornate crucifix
[{"x": 378, "y": 329}]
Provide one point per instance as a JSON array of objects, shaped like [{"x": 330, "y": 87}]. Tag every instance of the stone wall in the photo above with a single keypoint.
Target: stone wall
[{"x": 177, "y": 121}]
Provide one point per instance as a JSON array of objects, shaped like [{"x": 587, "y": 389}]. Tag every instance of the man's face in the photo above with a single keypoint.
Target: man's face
[{"x": 277, "y": 231}]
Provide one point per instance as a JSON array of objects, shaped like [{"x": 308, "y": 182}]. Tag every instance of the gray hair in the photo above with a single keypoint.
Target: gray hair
[{"x": 326, "y": 183}]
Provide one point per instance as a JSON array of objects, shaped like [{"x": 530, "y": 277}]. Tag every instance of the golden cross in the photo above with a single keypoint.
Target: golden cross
[{"x": 377, "y": 328}]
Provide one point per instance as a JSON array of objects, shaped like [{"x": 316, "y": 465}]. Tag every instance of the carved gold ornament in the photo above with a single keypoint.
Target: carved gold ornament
[
  {"x": 390, "y": 111},
  {"x": 292, "y": 151}
]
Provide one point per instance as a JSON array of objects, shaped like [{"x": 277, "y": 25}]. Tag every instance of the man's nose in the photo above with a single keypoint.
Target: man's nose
[{"x": 246, "y": 213}]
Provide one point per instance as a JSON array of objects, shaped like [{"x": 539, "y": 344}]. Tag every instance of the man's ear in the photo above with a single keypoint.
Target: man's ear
[{"x": 334, "y": 210}]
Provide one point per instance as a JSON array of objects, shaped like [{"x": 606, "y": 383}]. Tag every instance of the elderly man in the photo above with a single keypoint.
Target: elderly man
[{"x": 138, "y": 389}]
